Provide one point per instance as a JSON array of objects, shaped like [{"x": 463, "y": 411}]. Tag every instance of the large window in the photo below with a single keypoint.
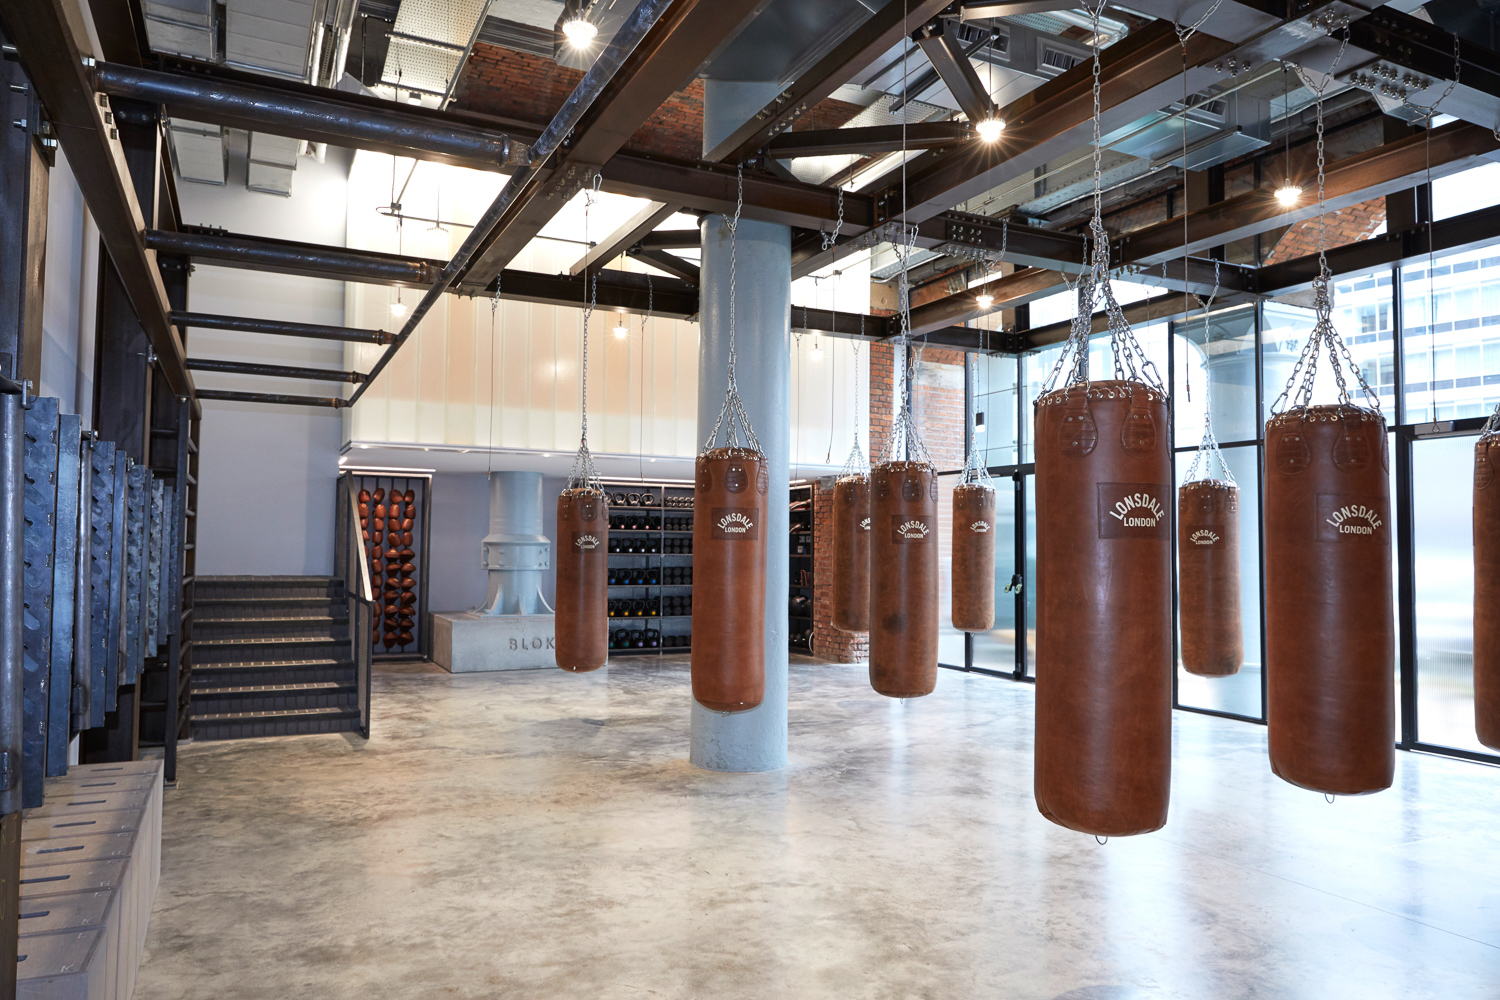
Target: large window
[{"x": 1450, "y": 312}]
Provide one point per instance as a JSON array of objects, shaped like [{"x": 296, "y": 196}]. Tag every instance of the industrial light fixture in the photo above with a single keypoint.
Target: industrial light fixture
[
  {"x": 398, "y": 309},
  {"x": 579, "y": 32},
  {"x": 621, "y": 330},
  {"x": 979, "y": 422},
  {"x": 989, "y": 129},
  {"x": 985, "y": 300},
  {"x": 817, "y": 350},
  {"x": 1288, "y": 194}
]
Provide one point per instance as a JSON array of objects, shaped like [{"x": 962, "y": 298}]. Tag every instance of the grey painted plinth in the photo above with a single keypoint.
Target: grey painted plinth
[{"x": 468, "y": 642}]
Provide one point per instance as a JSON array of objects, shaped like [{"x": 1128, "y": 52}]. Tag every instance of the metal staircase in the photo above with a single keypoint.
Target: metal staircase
[{"x": 272, "y": 657}]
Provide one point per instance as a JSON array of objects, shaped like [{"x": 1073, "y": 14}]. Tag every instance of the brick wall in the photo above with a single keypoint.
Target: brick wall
[
  {"x": 882, "y": 396},
  {"x": 1347, "y": 225},
  {"x": 531, "y": 88}
]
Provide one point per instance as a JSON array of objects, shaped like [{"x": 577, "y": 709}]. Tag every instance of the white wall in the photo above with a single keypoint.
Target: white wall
[
  {"x": 70, "y": 291},
  {"x": 266, "y": 473}
]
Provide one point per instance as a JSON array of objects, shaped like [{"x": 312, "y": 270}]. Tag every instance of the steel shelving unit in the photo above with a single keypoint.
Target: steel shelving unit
[{"x": 641, "y": 527}]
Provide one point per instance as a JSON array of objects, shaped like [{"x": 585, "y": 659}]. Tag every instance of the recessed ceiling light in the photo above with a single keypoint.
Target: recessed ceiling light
[
  {"x": 989, "y": 129},
  {"x": 579, "y": 32},
  {"x": 1288, "y": 194}
]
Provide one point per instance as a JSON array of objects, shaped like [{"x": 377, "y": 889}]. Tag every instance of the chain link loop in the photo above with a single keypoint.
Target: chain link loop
[
  {"x": 583, "y": 475},
  {"x": 733, "y": 421}
]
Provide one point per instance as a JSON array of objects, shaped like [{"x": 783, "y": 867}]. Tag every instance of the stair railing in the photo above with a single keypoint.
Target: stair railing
[{"x": 355, "y": 571}]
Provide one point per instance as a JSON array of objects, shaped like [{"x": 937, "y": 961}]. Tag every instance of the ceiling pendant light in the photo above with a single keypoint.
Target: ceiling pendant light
[
  {"x": 989, "y": 129},
  {"x": 621, "y": 330},
  {"x": 984, "y": 299},
  {"x": 1288, "y": 194},
  {"x": 817, "y": 350},
  {"x": 398, "y": 309},
  {"x": 579, "y": 32}
]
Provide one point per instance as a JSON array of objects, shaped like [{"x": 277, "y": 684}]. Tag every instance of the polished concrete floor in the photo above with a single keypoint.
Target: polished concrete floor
[{"x": 541, "y": 835}]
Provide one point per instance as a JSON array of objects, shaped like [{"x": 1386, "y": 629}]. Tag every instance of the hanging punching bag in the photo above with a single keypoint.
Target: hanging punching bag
[
  {"x": 1330, "y": 637},
  {"x": 1208, "y": 567},
  {"x": 582, "y": 615},
  {"x": 1104, "y": 608},
  {"x": 903, "y": 579},
  {"x": 729, "y": 579},
  {"x": 973, "y": 575},
  {"x": 1487, "y": 590},
  {"x": 851, "y": 553}
]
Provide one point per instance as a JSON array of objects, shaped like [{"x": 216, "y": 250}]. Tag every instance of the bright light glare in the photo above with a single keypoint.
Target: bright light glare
[
  {"x": 985, "y": 300},
  {"x": 622, "y": 331},
  {"x": 1288, "y": 194},
  {"x": 398, "y": 310},
  {"x": 989, "y": 129},
  {"x": 816, "y": 353},
  {"x": 579, "y": 32}
]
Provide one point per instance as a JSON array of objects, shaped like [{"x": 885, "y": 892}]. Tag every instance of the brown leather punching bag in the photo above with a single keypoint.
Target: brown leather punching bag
[
  {"x": 1487, "y": 591},
  {"x": 851, "y": 553},
  {"x": 1208, "y": 574},
  {"x": 973, "y": 557},
  {"x": 729, "y": 579},
  {"x": 1104, "y": 608},
  {"x": 903, "y": 579},
  {"x": 1330, "y": 634},
  {"x": 582, "y": 615}
]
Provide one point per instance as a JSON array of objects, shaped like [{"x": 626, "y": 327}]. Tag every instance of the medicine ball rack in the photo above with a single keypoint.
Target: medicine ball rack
[
  {"x": 401, "y": 595},
  {"x": 641, "y": 608},
  {"x": 800, "y": 577}
]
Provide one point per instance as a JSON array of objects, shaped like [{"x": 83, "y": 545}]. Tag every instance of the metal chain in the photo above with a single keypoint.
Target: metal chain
[
  {"x": 830, "y": 239},
  {"x": 1183, "y": 34},
  {"x": 976, "y": 470},
  {"x": 583, "y": 475},
  {"x": 856, "y": 464},
  {"x": 904, "y": 443},
  {"x": 1131, "y": 363},
  {"x": 1298, "y": 392},
  {"x": 733, "y": 421},
  {"x": 1491, "y": 426}
]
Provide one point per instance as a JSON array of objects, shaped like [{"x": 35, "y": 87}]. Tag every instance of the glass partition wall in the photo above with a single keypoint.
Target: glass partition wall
[{"x": 1436, "y": 381}]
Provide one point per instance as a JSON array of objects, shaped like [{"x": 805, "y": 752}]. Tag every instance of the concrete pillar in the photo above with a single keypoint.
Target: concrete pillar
[
  {"x": 753, "y": 740},
  {"x": 515, "y": 552}
]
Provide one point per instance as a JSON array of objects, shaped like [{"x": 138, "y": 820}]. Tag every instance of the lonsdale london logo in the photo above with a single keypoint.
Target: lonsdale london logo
[
  {"x": 1138, "y": 510},
  {"x": 585, "y": 543},
  {"x": 912, "y": 529},
  {"x": 1203, "y": 537},
  {"x": 980, "y": 527},
  {"x": 1345, "y": 520},
  {"x": 864, "y": 525},
  {"x": 735, "y": 523}
]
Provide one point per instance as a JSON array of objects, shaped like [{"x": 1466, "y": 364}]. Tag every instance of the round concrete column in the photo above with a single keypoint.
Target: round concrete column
[{"x": 753, "y": 740}]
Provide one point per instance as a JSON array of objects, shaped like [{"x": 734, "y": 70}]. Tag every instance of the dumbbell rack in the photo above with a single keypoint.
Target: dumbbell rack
[
  {"x": 672, "y": 501},
  {"x": 800, "y": 624}
]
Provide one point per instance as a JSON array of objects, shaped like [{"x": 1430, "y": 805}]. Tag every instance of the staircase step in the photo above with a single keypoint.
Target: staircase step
[
  {"x": 210, "y": 702},
  {"x": 256, "y": 724},
  {"x": 254, "y": 673},
  {"x": 210, "y": 649},
  {"x": 216, "y": 588}
]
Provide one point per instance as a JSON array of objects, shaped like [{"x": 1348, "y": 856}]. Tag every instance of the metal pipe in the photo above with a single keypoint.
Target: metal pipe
[
  {"x": 381, "y": 126},
  {"x": 295, "y": 258},
  {"x": 583, "y": 96},
  {"x": 226, "y": 395},
  {"x": 12, "y": 544},
  {"x": 274, "y": 371},
  {"x": 209, "y": 321}
]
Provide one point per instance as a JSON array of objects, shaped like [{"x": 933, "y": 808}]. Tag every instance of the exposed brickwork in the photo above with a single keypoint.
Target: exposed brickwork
[
  {"x": 531, "y": 88},
  {"x": 882, "y": 393},
  {"x": 829, "y": 643},
  {"x": 1348, "y": 225},
  {"x": 939, "y": 408}
]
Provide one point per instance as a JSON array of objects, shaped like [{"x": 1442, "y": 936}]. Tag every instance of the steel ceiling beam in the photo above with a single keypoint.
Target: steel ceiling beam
[
  {"x": 871, "y": 140},
  {"x": 1394, "y": 166},
  {"x": 317, "y": 331},
  {"x": 1008, "y": 292},
  {"x": 300, "y": 111},
  {"x": 671, "y": 264},
  {"x": 258, "y": 253},
  {"x": 274, "y": 371},
  {"x": 625, "y": 237},
  {"x": 881, "y": 32},
  {"x": 951, "y": 61},
  {"x": 671, "y": 239},
  {"x": 686, "y": 33},
  {"x": 51, "y": 45}
]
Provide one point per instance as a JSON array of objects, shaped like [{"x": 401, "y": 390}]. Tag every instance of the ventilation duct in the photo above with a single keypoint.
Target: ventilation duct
[
  {"x": 199, "y": 151},
  {"x": 272, "y": 162},
  {"x": 428, "y": 46},
  {"x": 181, "y": 27}
]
